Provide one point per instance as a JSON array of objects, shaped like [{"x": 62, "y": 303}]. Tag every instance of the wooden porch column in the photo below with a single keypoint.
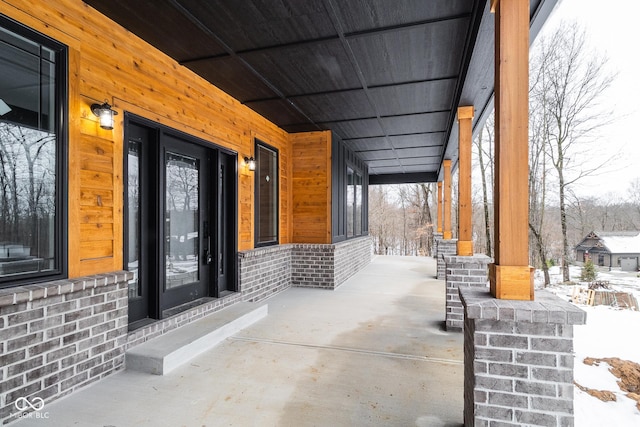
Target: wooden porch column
[
  {"x": 447, "y": 200},
  {"x": 439, "y": 207},
  {"x": 510, "y": 276},
  {"x": 465, "y": 242}
]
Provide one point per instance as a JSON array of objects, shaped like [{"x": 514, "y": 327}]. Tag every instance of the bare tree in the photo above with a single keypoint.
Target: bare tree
[
  {"x": 400, "y": 219},
  {"x": 538, "y": 142},
  {"x": 575, "y": 80},
  {"x": 634, "y": 199},
  {"x": 421, "y": 195},
  {"x": 381, "y": 216},
  {"x": 484, "y": 154}
]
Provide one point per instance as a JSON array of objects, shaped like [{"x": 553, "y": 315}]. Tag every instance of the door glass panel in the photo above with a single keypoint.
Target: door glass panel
[
  {"x": 133, "y": 217},
  {"x": 182, "y": 220}
]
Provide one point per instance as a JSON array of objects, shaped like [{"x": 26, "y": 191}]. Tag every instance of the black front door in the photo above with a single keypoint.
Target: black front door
[
  {"x": 187, "y": 257},
  {"x": 180, "y": 220}
]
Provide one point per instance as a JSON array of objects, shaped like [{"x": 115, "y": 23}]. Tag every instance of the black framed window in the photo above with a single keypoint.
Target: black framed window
[
  {"x": 349, "y": 198},
  {"x": 354, "y": 203},
  {"x": 266, "y": 195},
  {"x": 33, "y": 93}
]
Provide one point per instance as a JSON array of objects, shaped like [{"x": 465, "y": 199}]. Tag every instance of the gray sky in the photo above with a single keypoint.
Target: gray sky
[{"x": 612, "y": 28}]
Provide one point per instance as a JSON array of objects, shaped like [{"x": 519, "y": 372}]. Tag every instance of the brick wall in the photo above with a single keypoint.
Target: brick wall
[
  {"x": 518, "y": 360},
  {"x": 351, "y": 256},
  {"x": 462, "y": 271},
  {"x": 264, "y": 271},
  {"x": 313, "y": 266},
  {"x": 60, "y": 336},
  {"x": 267, "y": 271},
  {"x": 328, "y": 266}
]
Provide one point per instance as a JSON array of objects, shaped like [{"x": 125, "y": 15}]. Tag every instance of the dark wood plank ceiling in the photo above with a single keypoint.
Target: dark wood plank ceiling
[{"x": 386, "y": 76}]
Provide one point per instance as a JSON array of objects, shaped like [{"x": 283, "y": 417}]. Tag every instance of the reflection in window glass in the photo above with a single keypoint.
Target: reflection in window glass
[
  {"x": 357, "y": 215},
  {"x": 182, "y": 206},
  {"x": 351, "y": 191},
  {"x": 28, "y": 158},
  {"x": 133, "y": 200},
  {"x": 354, "y": 203},
  {"x": 266, "y": 195}
]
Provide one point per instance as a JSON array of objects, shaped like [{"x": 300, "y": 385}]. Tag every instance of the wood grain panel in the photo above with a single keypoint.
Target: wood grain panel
[
  {"x": 96, "y": 215},
  {"x": 94, "y": 179},
  {"x": 96, "y": 249},
  {"x": 95, "y": 232},
  {"x": 311, "y": 192},
  {"x": 106, "y": 62},
  {"x": 93, "y": 197}
]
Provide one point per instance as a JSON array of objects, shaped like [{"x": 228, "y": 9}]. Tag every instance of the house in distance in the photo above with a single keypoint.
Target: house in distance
[{"x": 611, "y": 249}]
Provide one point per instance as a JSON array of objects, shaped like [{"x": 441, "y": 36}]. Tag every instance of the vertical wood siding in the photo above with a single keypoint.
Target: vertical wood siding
[{"x": 311, "y": 195}]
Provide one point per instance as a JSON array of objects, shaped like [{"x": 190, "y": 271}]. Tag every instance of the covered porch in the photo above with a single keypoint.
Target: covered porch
[
  {"x": 372, "y": 352},
  {"x": 237, "y": 168}
]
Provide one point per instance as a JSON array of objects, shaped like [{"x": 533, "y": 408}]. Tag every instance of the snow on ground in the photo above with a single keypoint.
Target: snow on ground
[{"x": 609, "y": 332}]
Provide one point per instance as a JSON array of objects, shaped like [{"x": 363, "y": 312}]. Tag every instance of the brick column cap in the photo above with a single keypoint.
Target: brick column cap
[
  {"x": 547, "y": 308},
  {"x": 480, "y": 258}
]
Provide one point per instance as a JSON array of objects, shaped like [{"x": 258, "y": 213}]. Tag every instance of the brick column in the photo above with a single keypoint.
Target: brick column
[
  {"x": 518, "y": 359},
  {"x": 462, "y": 271},
  {"x": 434, "y": 248},
  {"x": 445, "y": 248}
]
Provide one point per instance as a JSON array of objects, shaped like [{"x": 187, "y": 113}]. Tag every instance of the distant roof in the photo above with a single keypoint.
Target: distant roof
[{"x": 621, "y": 242}]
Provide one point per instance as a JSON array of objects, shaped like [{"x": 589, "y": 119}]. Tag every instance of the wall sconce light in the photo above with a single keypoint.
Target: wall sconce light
[
  {"x": 105, "y": 113},
  {"x": 251, "y": 163}
]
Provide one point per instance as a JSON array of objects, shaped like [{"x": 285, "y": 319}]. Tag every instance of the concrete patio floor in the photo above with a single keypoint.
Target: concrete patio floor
[{"x": 373, "y": 352}]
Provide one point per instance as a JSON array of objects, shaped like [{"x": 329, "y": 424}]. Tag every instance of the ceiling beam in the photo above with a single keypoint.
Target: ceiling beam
[{"x": 403, "y": 178}]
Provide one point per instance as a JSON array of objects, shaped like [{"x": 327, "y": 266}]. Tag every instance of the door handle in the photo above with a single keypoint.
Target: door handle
[{"x": 208, "y": 258}]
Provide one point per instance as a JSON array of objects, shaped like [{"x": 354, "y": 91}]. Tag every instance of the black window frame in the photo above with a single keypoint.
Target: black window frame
[
  {"x": 257, "y": 214},
  {"x": 355, "y": 222},
  {"x": 343, "y": 159},
  {"x": 60, "y": 269}
]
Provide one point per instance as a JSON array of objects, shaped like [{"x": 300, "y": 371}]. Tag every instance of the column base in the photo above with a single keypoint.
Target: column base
[
  {"x": 465, "y": 248},
  {"x": 512, "y": 282},
  {"x": 447, "y": 235}
]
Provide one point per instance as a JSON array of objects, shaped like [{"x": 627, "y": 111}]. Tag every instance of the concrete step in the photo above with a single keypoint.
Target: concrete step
[{"x": 162, "y": 354}]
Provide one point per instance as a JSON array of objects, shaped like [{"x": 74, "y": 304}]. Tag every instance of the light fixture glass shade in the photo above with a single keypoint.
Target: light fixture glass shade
[
  {"x": 251, "y": 163},
  {"x": 105, "y": 114}
]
